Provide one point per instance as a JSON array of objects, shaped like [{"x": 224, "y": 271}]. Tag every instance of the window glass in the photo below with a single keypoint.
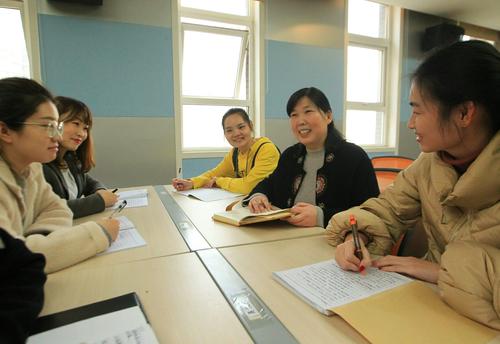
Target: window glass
[
  {"x": 13, "y": 54},
  {"x": 364, "y": 74},
  {"x": 202, "y": 127},
  {"x": 367, "y": 18},
  {"x": 210, "y": 64},
  {"x": 364, "y": 127}
]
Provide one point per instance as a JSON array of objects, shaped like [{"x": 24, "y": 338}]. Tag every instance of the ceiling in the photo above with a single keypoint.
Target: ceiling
[{"x": 485, "y": 13}]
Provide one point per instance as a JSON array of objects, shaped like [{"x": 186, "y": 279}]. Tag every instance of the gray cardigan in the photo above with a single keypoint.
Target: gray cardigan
[{"x": 87, "y": 186}]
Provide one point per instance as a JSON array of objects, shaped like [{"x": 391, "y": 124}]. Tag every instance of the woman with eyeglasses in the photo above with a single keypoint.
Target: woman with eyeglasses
[
  {"x": 251, "y": 159},
  {"x": 29, "y": 135},
  {"x": 68, "y": 172}
]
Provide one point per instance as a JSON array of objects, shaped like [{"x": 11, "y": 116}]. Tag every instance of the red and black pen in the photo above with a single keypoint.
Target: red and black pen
[{"x": 355, "y": 236}]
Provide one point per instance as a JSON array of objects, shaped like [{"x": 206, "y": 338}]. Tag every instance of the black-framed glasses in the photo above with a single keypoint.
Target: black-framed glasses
[{"x": 53, "y": 128}]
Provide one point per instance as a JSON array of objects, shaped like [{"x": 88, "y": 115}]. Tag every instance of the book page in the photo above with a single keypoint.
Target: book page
[
  {"x": 325, "y": 285},
  {"x": 245, "y": 211},
  {"x": 124, "y": 326},
  {"x": 209, "y": 194}
]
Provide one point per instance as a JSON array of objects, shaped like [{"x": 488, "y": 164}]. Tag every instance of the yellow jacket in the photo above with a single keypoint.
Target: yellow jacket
[
  {"x": 265, "y": 163},
  {"x": 452, "y": 207}
]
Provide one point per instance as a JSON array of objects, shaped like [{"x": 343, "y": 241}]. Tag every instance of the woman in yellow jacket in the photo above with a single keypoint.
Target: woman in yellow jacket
[
  {"x": 247, "y": 163},
  {"x": 453, "y": 186}
]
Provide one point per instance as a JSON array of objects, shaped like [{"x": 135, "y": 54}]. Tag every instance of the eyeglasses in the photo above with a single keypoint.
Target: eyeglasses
[{"x": 53, "y": 128}]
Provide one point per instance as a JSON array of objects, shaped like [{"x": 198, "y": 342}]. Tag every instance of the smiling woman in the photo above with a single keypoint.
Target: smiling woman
[
  {"x": 452, "y": 188},
  {"x": 322, "y": 174},
  {"x": 68, "y": 173},
  {"x": 29, "y": 210},
  {"x": 250, "y": 160}
]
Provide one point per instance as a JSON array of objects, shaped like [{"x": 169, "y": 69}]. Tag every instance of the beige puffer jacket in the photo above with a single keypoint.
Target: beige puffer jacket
[
  {"x": 469, "y": 281},
  {"x": 452, "y": 207}
]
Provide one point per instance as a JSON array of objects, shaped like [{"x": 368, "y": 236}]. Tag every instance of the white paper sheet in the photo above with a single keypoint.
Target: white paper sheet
[
  {"x": 209, "y": 194},
  {"x": 139, "y": 193},
  {"x": 128, "y": 237},
  {"x": 325, "y": 285},
  {"x": 134, "y": 198},
  {"x": 124, "y": 326}
]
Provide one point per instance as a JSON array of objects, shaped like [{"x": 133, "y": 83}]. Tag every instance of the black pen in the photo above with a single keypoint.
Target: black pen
[
  {"x": 114, "y": 190},
  {"x": 118, "y": 209},
  {"x": 355, "y": 236}
]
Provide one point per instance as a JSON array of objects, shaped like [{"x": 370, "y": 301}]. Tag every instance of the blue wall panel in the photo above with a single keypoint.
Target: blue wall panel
[
  {"x": 293, "y": 66},
  {"x": 118, "y": 69},
  {"x": 195, "y": 167}
]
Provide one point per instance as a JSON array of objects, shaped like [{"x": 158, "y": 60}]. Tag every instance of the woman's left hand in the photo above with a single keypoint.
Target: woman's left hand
[
  {"x": 411, "y": 266},
  {"x": 304, "y": 214}
]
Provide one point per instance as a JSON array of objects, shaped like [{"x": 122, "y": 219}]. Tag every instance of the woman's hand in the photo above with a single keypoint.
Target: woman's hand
[
  {"x": 411, "y": 266},
  {"x": 182, "y": 184},
  {"x": 259, "y": 204},
  {"x": 304, "y": 214},
  {"x": 112, "y": 226},
  {"x": 109, "y": 197},
  {"x": 211, "y": 183},
  {"x": 347, "y": 260}
]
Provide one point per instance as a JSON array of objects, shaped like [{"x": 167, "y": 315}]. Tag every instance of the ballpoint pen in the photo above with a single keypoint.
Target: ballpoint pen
[
  {"x": 118, "y": 209},
  {"x": 355, "y": 236},
  {"x": 114, "y": 190}
]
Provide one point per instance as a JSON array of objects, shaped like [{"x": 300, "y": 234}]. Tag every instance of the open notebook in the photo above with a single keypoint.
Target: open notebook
[
  {"x": 384, "y": 307},
  {"x": 238, "y": 215},
  {"x": 113, "y": 321}
]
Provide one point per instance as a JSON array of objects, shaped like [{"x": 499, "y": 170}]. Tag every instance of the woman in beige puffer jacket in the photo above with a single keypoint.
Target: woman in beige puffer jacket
[{"x": 453, "y": 187}]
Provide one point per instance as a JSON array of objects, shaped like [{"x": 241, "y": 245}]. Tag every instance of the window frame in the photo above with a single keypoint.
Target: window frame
[
  {"x": 254, "y": 41},
  {"x": 29, "y": 17},
  {"x": 390, "y": 45}
]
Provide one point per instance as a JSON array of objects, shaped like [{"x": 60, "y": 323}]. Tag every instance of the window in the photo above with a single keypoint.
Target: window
[
  {"x": 18, "y": 47},
  {"x": 368, "y": 109},
  {"x": 216, "y": 65}
]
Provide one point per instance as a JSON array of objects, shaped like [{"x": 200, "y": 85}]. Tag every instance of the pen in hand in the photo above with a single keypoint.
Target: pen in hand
[
  {"x": 355, "y": 236},
  {"x": 118, "y": 209},
  {"x": 114, "y": 190}
]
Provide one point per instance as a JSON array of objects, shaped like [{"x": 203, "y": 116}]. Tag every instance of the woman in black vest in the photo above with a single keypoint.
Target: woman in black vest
[{"x": 322, "y": 174}]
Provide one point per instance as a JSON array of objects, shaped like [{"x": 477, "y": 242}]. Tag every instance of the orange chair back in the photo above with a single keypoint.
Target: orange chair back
[
  {"x": 399, "y": 162},
  {"x": 385, "y": 177}
]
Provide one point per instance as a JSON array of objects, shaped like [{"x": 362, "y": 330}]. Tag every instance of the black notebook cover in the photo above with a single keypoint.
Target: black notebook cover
[{"x": 69, "y": 316}]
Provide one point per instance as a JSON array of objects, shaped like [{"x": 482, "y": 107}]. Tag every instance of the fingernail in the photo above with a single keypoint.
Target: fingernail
[{"x": 361, "y": 268}]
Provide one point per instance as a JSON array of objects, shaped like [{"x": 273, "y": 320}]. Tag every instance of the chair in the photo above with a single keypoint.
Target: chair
[
  {"x": 394, "y": 161},
  {"x": 385, "y": 177},
  {"x": 413, "y": 243}
]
